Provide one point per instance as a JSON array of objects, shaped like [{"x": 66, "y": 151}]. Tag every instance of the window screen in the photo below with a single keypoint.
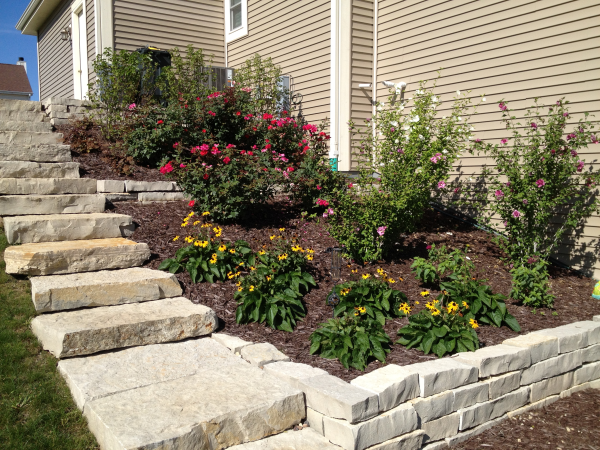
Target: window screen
[{"x": 235, "y": 14}]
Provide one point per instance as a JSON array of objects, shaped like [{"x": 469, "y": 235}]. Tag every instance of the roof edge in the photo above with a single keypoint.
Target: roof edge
[{"x": 35, "y": 16}]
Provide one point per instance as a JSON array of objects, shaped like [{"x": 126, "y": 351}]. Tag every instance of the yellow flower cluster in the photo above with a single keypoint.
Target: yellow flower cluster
[
  {"x": 465, "y": 305},
  {"x": 187, "y": 219},
  {"x": 231, "y": 275},
  {"x": 345, "y": 292},
  {"x": 218, "y": 231},
  {"x": 297, "y": 248},
  {"x": 473, "y": 323},
  {"x": 452, "y": 307},
  {"x": 424, "y": 293},
  {"x": 222, "y": 247},
  {"x": 282, "y": 257},
  {"x": 366, "y": 275},
  {"x": 175, "y": 238},
  {"x": 360, "y": 310},
  {"x": 202, "y": 244},
  {"x": 206, "y": 225},
  {"x": 214, "y": 258},
  {"x": 206, "y": 213},
  {"x": 404, "y": 308}
]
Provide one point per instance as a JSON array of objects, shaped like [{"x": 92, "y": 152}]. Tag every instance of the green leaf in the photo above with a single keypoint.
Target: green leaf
[
  {"x": 439, "y": 349},
  {"x": 450, "y": 345},
  {"x": 496, "y": 317},
  {"x": 428, "y": 341},
  {"x": 165, "y": 264},
  {"x": 468, "y": 344},
  {"x": 512, "y": 322},
  {"x": 440, "y": 331}
]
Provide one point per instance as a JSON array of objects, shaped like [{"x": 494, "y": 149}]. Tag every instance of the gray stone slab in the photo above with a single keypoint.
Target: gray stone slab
[
  {"x": 293, "y": 373},
  {"x": 214, "y": 409},
  {"x": 36, "y": 127},
  {"x": 588, "y": 372},
  {"x": 393, "y": 385},
  {"x": 470, "y": 394},
  {"x": 67, "y": 227},
  {"x": 262, "y": 354},
  {"x": 315, "y": 420},
  {"x": 149, "y": 186},
  {"x": 15, "y": 205},
  {"x": 19, "y": 105},
  {"x": 233, "y": 343},
  {"x": 532, "y": 406},
  {"x": 570, "y": 337},
  {"x": 551, "y": 386},
  {"x": 39, "y": 153},
  {"x": 114, "y": 186},
  {"x": 31, "y": 169},
  {"x": 305, "y": 439},
  {"x": 439, "y": 375},
  {"x": 433, "y": 407},
  {"x": 590, "y": 354},
  {"x": 484, "y": 412},
  {"x": 53, "y": 258},
  {"x": 439, "y": 445},
  {"x": 496, "y": 359},
  {"x": 468, "y": 434},
  {"x": 409, "y": 441},
  {"x": 160, "y": 196},
  {"x": 46, "y": 186},
  {"x": 552, "y": 367},
  {"x": 121, "y": 197},
  {"x": 503, "y": 384},
  {"x": 441, "y": 428},
  {"x": 541, "y": 347},
  {"x": 335, "y": 398},
  {"x": 29, "y": 138},
  {"x": 88, "y": 331},
  {"x": 103, "y": 288},
  {"x": 596, "y": 318}
]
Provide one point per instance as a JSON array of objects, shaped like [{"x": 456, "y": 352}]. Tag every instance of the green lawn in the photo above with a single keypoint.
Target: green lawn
[{"x": 36, "y": 409}]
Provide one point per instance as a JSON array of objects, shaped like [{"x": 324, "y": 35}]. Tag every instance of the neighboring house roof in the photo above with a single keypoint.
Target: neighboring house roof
[{"x": 13, "y": 78}]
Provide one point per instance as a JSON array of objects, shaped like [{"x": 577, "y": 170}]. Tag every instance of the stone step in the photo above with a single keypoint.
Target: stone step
[
  {"x": 29, "y": 138},
  {"x": 30, "y": 169},
  {"x": 88, "y": 331},
  {"x": 14, "y": 205},
  {"x": 47, "y": 186},
  {"x": 39, "y": 153},
  {"x": 21, "y": 116},
  {"x": 36, "y": 127},
  {"x": 104, "y": 288},
  {"x": 305, "y": 439},
  {"x": 186, "y": 395},
  {"x": 54, "y": 258},
  {"x": 67, "y": 227},
  {"x": 20, "y": 105}
]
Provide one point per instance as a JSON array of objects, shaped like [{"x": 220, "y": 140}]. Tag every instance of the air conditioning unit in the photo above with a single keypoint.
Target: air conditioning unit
[{"x": 220, "y": 77}]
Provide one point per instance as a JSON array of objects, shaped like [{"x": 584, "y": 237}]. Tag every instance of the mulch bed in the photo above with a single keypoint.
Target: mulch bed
[
  {"x": 100, "y": 166},
  {"x": 159, "y": 223},
  {"x": 568, "y": 424}
]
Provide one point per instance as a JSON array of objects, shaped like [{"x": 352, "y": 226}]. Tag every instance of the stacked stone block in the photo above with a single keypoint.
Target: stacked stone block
[
  {"x": 60, "y": 110},
  {"x": 143, "y": 191}
]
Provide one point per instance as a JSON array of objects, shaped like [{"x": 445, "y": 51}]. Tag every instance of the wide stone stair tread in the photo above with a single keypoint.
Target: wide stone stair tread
[
  {"x": 104, "y": 288},
  {"x": 67, "y": 227},
  {"x": 35, "y": 127},
  {"x": 305, "y": 439},
  {"x": 20, "y": 105},
  {"x": 30, "y": 169},
  {"x": 187, "y": 395},
  {"x": 93, "y": 330},
  {"x": 53, "y": 258},
  {"x": 8, "y": 115},
  {"x": 29, "y": 138},
  {"x": 47, "y": 186},
  {"x": 14, "y": 205},
  {"x": 37, "y": 153}
]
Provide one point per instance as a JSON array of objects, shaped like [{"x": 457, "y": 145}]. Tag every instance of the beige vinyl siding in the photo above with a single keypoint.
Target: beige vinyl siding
[
  {"x": 171, "y": 23},
  {"x": 296, "y": 35},
  {"x": 361, "y": 66},
  {"x": 514, "y": 50},
  {"x": 55, "y": 55},
  {"x": 91, "y": 38}
]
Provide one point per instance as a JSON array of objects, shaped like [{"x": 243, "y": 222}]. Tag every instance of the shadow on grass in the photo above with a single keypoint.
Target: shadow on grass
[{"x": 36, "y": 409}]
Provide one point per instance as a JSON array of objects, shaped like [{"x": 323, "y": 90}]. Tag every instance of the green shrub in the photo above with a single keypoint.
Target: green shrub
[
  {"x": 440, "y": 263},
  {"x": 352, "y": 339},
  {"x": 530, "y": 284}
]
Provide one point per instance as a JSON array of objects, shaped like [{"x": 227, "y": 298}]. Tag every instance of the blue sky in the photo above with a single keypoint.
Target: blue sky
[{"x": 14, "y": 44}]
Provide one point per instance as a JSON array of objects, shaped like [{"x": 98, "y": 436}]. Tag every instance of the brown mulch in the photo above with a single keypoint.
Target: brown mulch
[
  {"x": 100, "y": 166},
  {"x": 568, "y": 424},
  {"x": 161, "y": 222}
]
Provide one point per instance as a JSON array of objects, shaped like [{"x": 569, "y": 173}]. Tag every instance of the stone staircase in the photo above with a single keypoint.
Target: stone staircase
[{"x": 146, "y": 374}]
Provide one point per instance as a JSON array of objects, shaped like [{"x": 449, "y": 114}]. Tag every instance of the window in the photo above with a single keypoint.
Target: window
[{"x": 236, "y": 19}]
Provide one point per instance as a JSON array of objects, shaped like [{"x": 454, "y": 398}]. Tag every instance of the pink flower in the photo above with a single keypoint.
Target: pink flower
[
  {"x": 499, "y": 194},
  {"x": 212, "y": 113},
  {"x": 132, "y": 106},
  {"x": 381, "y": 231},
  {"x": 573, "y": 153},
  {"x": 350, "y": 186},
  {"x": 516, "y": 214},
  {"x": 267, "y": 116},
  {"x": 191, "y": 203},
  {"x": 290, "y": 169},
  {"x": 580, "y": 165},
  {"x": 530, "y": 260},
  {"x": 175, "y": 144},
  {"x": 456, "y": 190},
  {"x": 428, "y": 247},
  {"x": 322, "y": 202},
  {"x": 311, "y": 128},
  {"x": 504, "y": 141},
  {"x": 525, "y": 201},
  {"x": 441, "y": 184},
  {"x": 166, "y": 168},
  {"x": 205, "y": 176},
  {"x": 540, "y": 183},
  {"x": 477, "y": 140},
  {"x": 183, "y": 166},
  {"x": 502, "y": 106},
  {"x": 226, "y": 160},
  {"x": 566, "y": 114},
  {"x": 534, "y": 125},
  {"x": 319, "y": 187}
]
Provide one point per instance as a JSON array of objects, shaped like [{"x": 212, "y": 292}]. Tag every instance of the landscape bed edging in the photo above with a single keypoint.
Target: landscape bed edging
[
  {"x": 142, "y": 191},
  {"x": 439, "y": 403}
]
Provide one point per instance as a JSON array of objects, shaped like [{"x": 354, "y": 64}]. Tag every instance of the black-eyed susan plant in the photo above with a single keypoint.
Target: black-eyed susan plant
[
  {"x": 354, "y": 339},
  {"x": 272, "y": 291},
  {"x": 207, "y": 256}
]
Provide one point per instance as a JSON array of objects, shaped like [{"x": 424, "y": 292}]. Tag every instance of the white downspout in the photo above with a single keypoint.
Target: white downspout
[
  {"x": 334, "y": 84},
  {"x": 374, "y": 92}
]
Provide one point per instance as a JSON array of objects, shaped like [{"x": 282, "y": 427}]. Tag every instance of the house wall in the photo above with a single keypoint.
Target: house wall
[
  {"x": 91, "y": 37},
  {"x": 55, "y": 55},
  {"x": 296, "y": 35},
  {"x": 171, "y": 23},
  {"x": 506, "y": 50}
]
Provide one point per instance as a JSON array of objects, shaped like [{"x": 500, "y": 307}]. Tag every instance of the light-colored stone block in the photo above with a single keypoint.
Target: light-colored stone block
[
  {"x": 305, "y": 439},
  {"x": 293, "y": 373},
  {"x": 484, "y": 412},
  {"x": 315, "y": 420},
  {"x": 233, "y": 343},
  {"x": 31, "y": 169},
  {"x": 574, "y": 389},
  {"x": 551, "y": 386},
  {"x": 149, "y": 186},
  {"x": 67, "y": 227},
  {"x": 441, "y": 428},
  {"x": 88, "y": 331},
  {"x": 541, "y": 347},
  {"x": 468, "y": 434},
  {"x": 38, "y": 153},
  {"x": 46, "y": 186},
  {"x": 588, "y": 372},
  {"x": 122, "y": 197},
  {"x": 439, "y": 445},
  {"x": 103, "y": 288},
  {"x": 393, "y": 384},
  {"x": 470, "y": 394},
  {"x": 433, "y": 407},
  {"x": 113, "y": 186},
  {"x": 570, "y": 337},
  {"x": 442, "y": 374},
  {"x": 596, "y": 318},
  {"x": 590, "y": 354},
  {"x": 29, "y": 138},
  {"x": 160, "y": 196},
  {"x": 496, "y": 359},
  {"x": 385, "y": 426},
  {"x": 53, "y": 258},
  {"x": 533, "y": 406},
  {"x": 262, "y": 354},
  {"x": 593, "y": 329},
  {"x": 503, "y": 384},
  {"x": 335, "y": 398},
  {"x": 551, "y": 367},
  {"x": 15, "y": 205},
  {"x": 410, "y": 441}
]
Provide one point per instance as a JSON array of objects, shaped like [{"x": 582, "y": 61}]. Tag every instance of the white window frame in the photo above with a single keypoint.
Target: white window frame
[
  {"x": 232, "y": 35},
  {"x": 77, "y": 8}
]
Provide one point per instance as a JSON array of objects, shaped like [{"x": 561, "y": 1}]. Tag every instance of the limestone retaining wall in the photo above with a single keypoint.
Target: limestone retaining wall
[
  {"x": 440, "y": 403},
  {"x": 143, "y": 191},
  {"x": 60, "y": 110}
]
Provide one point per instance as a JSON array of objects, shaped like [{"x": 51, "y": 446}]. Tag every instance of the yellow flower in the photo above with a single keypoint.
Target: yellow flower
[
  {"x": 251, "y": 288},
  {"x": 404, "y": 308},
  {"x": 183, "y": 224},
  {"x": 214, "y": 256},
  {"x": 218, "y": 231},
  {"x": 282, "y": 229},
  {"x": 354, "y": 270},
  {"x": 175, "y": 238},
  {"x": 310, "y": 257},
  {"x": 445, "y": 292},
  {"x": 380, "y": 271},
  {"x": 191, "y": 214},
  {"x": 204, "y": 244},
  {"x": 345, "y": 292},
  {"x": 417, "y": 302},
  {"x": 230, "y": 275},
  {"x": 435, "y": 312},
  {"x": 452, "y": 307},
  {"x": 473, "y": 323},
  {"x": 196, "y": 222},
  {"x": 262, "y": 252},
  {"x": 401, "y": 279},
  {"x": 252, "y": 268},
  {"x": 391, "y": 280},
  {"x": 273, "y": 237},
  {"x": 232, "y": 251},
  {"x": 241, "y": 264},
  {"x": 222, "y": 248},
  {"x": 310, "y": 250},
  {"x": 465, "y": 304},
  {"x": 240, "y": 289},
  {"x": 282, "y": 257},
  {"x": 356, "y": 313},
  {"x": 206, "y": 213},
  {"x": 197, "y": 244},
  {"x": 268, "y": 278},
  {"x": 205, "y": 225},
  {"x": 424, "y": 293},
  {"x": 366, "y": 275}
]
